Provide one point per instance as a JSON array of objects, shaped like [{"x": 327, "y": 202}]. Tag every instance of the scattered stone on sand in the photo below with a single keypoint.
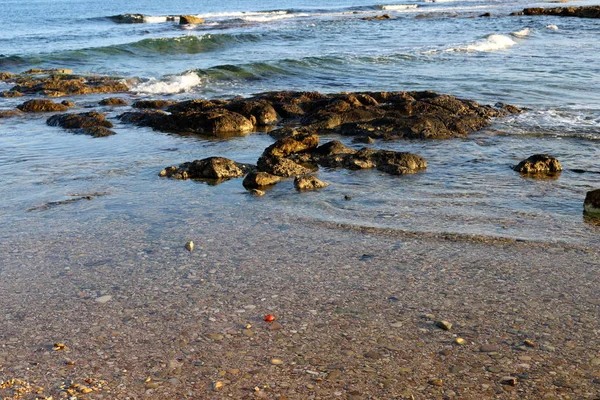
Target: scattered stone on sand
[
  {"x": 580, "y": 12},
  {"x": 90, "y": 123},
  {"x": 189, "y": 246},
  {"x": 218, "y": 386},
  {"x": 41, "y": 105},
  {"x": 103, "y": 299},
  {"x": 276, "y": 361},
  {"x": 539, "y": 164},
  {"x": 489, "y": 348},
  {"x": 591, "y": 204},
  {"x": 190, "y": 19},
  {"x": 436, "y": 382},
  {"x": 308, "y": 183},
  {"x": 113, "y": 101},
  {"x": 258, "y": 179},
  {"x": 509, "y": 380},
  {"x": 460, "y": 341},
  {"x": 444, "y": 325},
  {"x": 217, "y": 168}
]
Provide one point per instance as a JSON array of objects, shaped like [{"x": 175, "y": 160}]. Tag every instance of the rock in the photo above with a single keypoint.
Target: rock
[
  {"x": 128, "y": 18},
  {"x": 334, "y": 147},
  {"x": 11, "y": 94},
  {"x": 58, "y": 84},
  {"x": 39, "y": 105},
  {"x": 281, "y": 167},
  {"x": 76, "y": 121},
  {"x": 103, "y": 299},
  {"x": 591, "y": 204},
  {"x": 5, "y": 76},
  {"x": 377, "y": 17},
  {"x": 308, "y": 183},
  {"x": 508, "y": 380},
  {"x": 219, "y": 168},
  {"x": 291, "y": 145},
  {"x": 189, "y": 246},
  {"x": 539, "y": 164},
  {"x": 460, "y": 341},
  {"x": 113, "y": 101},
  {"x": 153, "y": 104},
  {"x": 91, "y": 123},
  {"x": 218, "y": 386},
  {"x": 373, "y": 354},
  {"x": 276, "y": 361},
  {"x": 485, "y": 15},
  {"x": 392, "y": 162},
  {"x": 67, "y": 103},
  {"x": 436, "y": 382},
  {"x": 190, "y": 19},
  {"x": 262, "y": 111},
  {"x": 257, "y": 192},
  {"x": 528, "y": 343},
  {"x": 256, "y": 180},
  {"x": 489, "y": 348},
  {"x": 581, "y": 12}
]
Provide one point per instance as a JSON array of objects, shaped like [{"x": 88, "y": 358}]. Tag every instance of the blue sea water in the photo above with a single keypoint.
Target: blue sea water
[{"x": 551, "y": 65}]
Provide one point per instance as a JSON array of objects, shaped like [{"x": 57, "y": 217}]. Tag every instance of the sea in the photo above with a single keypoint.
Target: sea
[{"x": 59, "y": 183}]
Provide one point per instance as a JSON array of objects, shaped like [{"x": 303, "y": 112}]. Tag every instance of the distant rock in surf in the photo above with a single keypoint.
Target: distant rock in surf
[
  {"x": 128, "y": 18},
  {"x": 377, "y": 17},
  {"x": 190, "y": 19},
  {"x": 61, "y": 82},
  {"x": 580, "y": 12}
]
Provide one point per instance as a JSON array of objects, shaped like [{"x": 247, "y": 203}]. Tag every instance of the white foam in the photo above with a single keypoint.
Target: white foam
[
  {"x": 172, "y": 84},
  {"x": 154, "y": 19},
  {"x": 521, "y": 33},
  {"x": 552, "y": 27},
  {"x": 490, "y": 43},
  {"x": 397, "y": 7},
  {"x": 240, "y": 14},
  {"x": 268, "y": 18}
]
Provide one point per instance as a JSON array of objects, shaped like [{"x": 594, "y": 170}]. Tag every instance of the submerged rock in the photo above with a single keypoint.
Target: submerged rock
[
  {"x": 218, "y": 168},
  {"x": 40, "y": 105},
  {"x": 308, "y": 183},
  {"x": 113, "y": 101},
  {"x": 377, "y": 17},
  {"x": 153, "y": 104},
  {"x": 128, "y": 18},
  {"x": 580, "y": 12},
  {"x": 591, "y": 205},
  {"x": 539, "y": 164}
]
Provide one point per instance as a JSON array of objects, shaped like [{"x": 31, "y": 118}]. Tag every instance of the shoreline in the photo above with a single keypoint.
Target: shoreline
[{"x": 353, "y": 315}]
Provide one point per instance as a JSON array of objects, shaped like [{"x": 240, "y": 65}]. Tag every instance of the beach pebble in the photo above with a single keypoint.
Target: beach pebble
[
  {"x": 276, "y": 361},
  {"x": 489, "y": 348},
  {"x": 508, "y": 380},
  {"x": 445, "y": 325},
  {"x": 460, "y": 341},
  {"x": 189, "y": 246},
  {"x": 104, "y": 299}
]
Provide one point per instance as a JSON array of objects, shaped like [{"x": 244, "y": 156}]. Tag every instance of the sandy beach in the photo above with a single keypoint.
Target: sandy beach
[{"x": 356, "y": 310}]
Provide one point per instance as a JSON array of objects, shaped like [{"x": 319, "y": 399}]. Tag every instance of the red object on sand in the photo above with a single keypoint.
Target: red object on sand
[{"x": 269, "y": 318}]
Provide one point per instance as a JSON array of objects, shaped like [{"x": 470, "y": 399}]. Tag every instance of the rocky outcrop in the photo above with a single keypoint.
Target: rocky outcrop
[
  {"x": 539, "y": 164},
  {"x": 591, "y": 205},
  {"x": 91, "y": 123},
  {"x": 41, "y": 105},
  {"x": 281, "y": 166},
  {"x": 217, "y": 168},
  {"x": 11, "y": 94},
  {"x": 366, "y": 116},
  {"x": 58, "y": 84},
  {"x": 580, "y": 12},
  {"x": 258, "y": 179},
  {"x": 190, "y": 19},
  {"x": 391, "y": 162},
  {"x": 5, "y": 76},
  {"x": 309, "y": 182}
]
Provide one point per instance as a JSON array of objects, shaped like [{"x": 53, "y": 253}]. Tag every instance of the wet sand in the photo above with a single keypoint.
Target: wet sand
[{"x": 356, "y": 310}]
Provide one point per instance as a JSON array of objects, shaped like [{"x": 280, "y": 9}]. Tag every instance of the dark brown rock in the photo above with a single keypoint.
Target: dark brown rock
[
  {"x": 153, "y": 104},
  {"x": 5, "y": 76},
  {"x": 262, "y": 111},
  {"x": 377, "y": 17},
  {"x": 59, "y": 84},
  {"x": 332, "y": 148},
  {"x": 40, "y": 105},
  {"x": 290, "y": 145},
  {"x": 591, "y": 204},
  {"x": 580, "y": 12},
  {"x": 113, "y": 101},
  {"x": 128, "y": 18},
  {"x": 539, "y": 164},
  {"x": 11, "y": 93},
  {"x": 255, "y": 180},
  {"x": 392, "y": 162},
  {"x": 308, "y": 182},
  {"x": 76, "y": 121}
]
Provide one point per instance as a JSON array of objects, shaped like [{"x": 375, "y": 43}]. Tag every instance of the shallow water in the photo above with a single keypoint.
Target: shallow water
[{"x": 246, "y": 48}]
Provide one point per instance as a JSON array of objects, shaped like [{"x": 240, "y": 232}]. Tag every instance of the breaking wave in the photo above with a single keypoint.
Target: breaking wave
[
  {"x": 491, "y": 42},
  {"x": 169, "y": 85}
]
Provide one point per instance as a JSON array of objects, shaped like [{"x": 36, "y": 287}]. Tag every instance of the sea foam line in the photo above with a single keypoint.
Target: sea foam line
[
  {"x": 170, "y": 85},
  {"x": 397, "y": 7},
  {"x": 492, "y": 42}
]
